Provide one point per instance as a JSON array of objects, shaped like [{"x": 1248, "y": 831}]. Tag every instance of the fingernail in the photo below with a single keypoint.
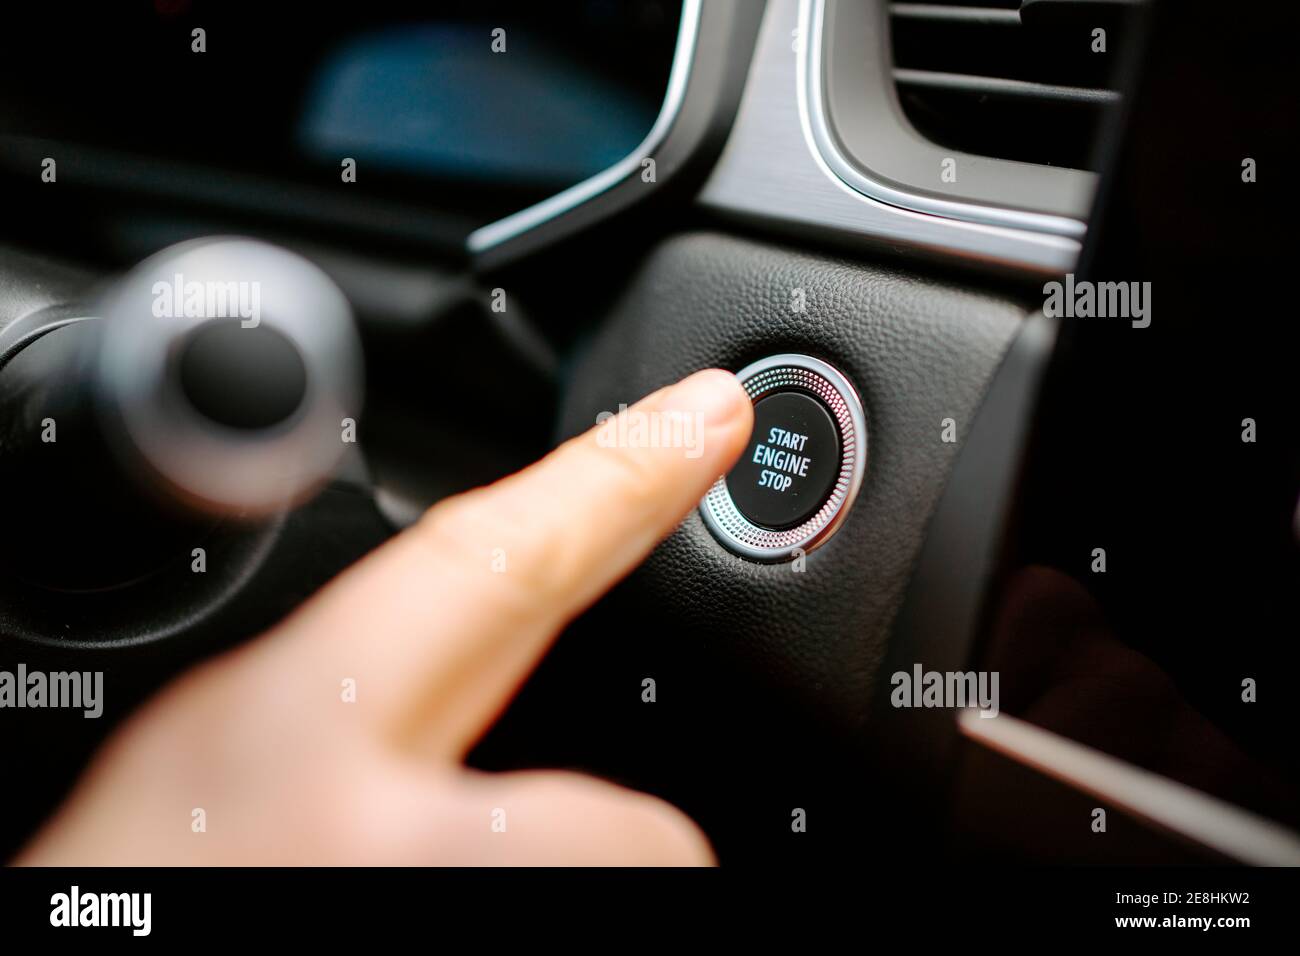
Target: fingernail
[{"x": 713, "y": 394}]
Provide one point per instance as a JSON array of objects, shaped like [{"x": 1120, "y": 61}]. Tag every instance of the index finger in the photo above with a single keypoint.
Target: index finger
[{"x": 440, "y": 626}]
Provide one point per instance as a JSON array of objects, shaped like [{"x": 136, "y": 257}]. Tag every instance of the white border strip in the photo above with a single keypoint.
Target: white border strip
[
  {"x": 1232, "y": 831},
  {"x": 494, "y": 234}
]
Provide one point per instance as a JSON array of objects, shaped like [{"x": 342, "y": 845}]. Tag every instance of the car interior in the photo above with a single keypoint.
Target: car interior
[{"x": 1018, "y": 537}]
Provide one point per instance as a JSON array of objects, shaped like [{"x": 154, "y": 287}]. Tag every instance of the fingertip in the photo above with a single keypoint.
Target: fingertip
[
  {"x": 713, "y": 393},
  {"x": 715, "y": 398}
]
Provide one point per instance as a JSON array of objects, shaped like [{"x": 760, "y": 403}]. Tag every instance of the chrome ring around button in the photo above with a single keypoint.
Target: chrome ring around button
[{"x": 801, "y": 373}]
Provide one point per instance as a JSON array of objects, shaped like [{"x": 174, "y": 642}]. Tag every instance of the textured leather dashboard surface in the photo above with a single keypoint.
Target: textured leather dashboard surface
[{"x": 918, "y": 350}]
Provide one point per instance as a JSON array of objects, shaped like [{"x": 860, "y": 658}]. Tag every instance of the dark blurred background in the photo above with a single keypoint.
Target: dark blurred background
[{"x": 413, "y": 91}]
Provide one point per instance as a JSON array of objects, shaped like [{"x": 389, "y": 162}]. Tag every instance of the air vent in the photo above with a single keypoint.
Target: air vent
[{"x": 1025, "y": 81}]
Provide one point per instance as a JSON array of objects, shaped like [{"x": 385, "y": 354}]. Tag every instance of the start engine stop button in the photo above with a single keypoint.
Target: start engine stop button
[
  {"x": 790, "y": 465},
  {"x": 803, "y": 465}
]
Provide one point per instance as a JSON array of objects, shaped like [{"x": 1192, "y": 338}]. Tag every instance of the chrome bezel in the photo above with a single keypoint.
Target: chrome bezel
[{"x": 788, "y": 372}]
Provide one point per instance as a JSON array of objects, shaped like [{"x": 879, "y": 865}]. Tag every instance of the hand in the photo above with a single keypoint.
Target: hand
[{"x": 437, "y": 629}]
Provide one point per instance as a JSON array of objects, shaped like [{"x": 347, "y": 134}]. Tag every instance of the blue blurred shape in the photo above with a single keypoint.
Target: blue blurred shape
[{"x": 436, "y": 100}]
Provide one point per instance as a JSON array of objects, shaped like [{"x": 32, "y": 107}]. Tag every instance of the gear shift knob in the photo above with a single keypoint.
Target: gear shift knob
[
  {"x": 228, "y": 367},
  {"x": 217, "y": 378}
]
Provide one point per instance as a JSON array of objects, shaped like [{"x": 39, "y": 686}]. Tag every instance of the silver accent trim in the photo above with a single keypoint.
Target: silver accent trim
[
  {"x": 813, "y": 112},
  {"x": 503, "y": 230},
  {"x": 22, "y": 332},
  {"x": 771, "y": 172},
  {"x": 1174, "y": 806},
  {"x": 779, "y": 373}
]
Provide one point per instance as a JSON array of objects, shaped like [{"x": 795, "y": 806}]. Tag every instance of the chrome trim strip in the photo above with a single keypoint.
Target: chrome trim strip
[
  {"x": 1174, "y": 806},
  {"x": 20, "y": 335},
  {"x": 503, "y": 230},
  {"x": 813, "y": 114},
  {"x": 770, "y": 172}
]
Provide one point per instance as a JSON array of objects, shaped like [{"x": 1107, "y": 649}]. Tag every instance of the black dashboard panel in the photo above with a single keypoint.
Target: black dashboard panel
[
  {"x": 410, "y": 122},
  {"x": 918, "y": 352},
  {"x": 496, "y": 95}
]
